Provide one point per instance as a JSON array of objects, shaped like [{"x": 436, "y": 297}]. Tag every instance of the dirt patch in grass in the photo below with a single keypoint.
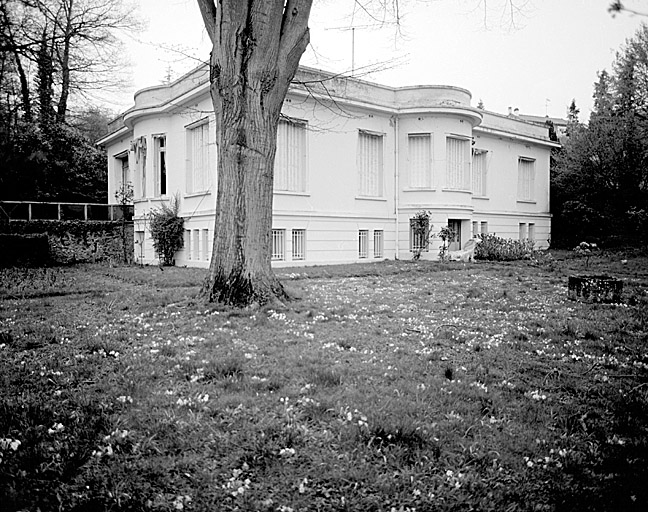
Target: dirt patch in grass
[{"x": 394, "y": 386}]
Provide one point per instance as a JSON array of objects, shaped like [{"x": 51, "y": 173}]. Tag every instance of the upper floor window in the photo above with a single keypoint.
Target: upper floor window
[
  {"x": 290, "y": 160},
  {"x": 457, "y": 163},
  {"x": 526, "y": 179},
  {"x": 370, "y": 164},
  {"x": 479, "y": 161},
  {"x": 159, "y": 144},
  {"x": 419, "y": 147},
  {"x": 198, "y": 159}
]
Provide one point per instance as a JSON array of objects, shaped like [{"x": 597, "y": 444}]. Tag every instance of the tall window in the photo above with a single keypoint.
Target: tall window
[
  {"x": 457, "y": 164},
  {"x": 484, "y": 227},
  {"x": 378, "y": 242},
  {"x": 198, "y": 161},
  {"x": 479, "y": 172},
  {"x": 419, "y": 146},
  {"x": 187, "y": 244},
  {"x": 290, "y": 160},
  {"x": 531, "y": 231},
  {"x": 370, "y": 164},
  {"x": 526, "y": 179},
  {"x": 160, "y": 165},
  {"x": 139, "y": 147},
  {"x": 522, "y": 231},
  {"x": 298, "y": 244},
  {"x": 363, "y": 243},
  {"x": 278, "y": 244}
]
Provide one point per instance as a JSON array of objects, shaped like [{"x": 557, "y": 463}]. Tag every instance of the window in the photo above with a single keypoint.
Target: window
[
  {"x": 457, "y": 164},
  {"x": 187, "y": 242},
  {"x": 479, "y": 172},
  {"x": 195, "y": 246},
  {"x": 198, "y": 159},
  {"x": 531, "y": 231},
  {"x": 363, "y": 236},
  {"x": 205, "y": 244},
  {"x": 139, "y": 246},
  {"x": 278, "y": 244},
  {"x": 475, "y": 227},
  {"x": 378, "y": 241},
  {"x": 160, "y": 165},
  {"x": 370, "y": 164},
  {"x": 526, "y": 179},
  {"x": 420, "y": 160},
  {"x": 290, "y": 159},
  {"x": 419, "y": 235},
  {"x": 298, "y": 244},
  {"x": 522, "y": 231},
  {"x": 139, "y": 148},
  {"x": 484, "y": 228}
]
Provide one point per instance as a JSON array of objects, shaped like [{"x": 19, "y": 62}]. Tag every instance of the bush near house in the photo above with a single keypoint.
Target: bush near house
[{"x": 494, "y": 248}]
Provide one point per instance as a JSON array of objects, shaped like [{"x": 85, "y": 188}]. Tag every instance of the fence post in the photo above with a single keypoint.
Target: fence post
[{"x": 29, "y": 213}]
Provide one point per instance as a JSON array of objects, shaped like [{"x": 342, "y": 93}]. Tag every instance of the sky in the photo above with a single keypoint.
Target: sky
[{"x": 538, "y": 59}]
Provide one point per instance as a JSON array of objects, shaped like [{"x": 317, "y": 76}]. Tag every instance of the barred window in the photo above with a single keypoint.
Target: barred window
[
  {"x": 378, "y": 241},
  {"x": 298, "y": 244},
  {"x": 363, "y": 236},
  {"x": 278, "y": 244}
]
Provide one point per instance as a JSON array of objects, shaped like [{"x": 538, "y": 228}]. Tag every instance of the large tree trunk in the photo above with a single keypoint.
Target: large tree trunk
[{"x": 256, "y": 50}]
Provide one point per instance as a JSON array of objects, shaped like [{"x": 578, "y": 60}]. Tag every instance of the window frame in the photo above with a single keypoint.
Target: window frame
[
  {"x": 203, "y": 174},
  {"x": 458, "y": 176},
  {"x": 378, "y": 243},
  {"x": 298, "y": 239},
  {"x": 278, "y": 244},
  {"x": 284, "y": 174},
  {"x": 370, "y": 181},
  {"x": 426, "y": 169},
  {"x": 363, "y": 244},
  {"x": 526, "y": 179},
  {"x": 160, "y": 164}
]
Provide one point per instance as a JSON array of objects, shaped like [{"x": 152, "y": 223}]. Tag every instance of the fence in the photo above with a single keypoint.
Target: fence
[{"x": 34, "y": 210}]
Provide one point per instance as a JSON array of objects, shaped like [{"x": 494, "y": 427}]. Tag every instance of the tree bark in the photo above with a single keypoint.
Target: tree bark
[{"x": 256, "y": 50}]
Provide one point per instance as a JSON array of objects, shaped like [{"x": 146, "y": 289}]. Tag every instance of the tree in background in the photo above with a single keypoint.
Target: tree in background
[
  {"x": 600, "y": 181},
  {"x": 54, "y": 54}
]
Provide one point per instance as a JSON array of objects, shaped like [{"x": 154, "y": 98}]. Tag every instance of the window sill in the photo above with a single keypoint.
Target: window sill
[
  {"x": 290, "y": 193},
  {"x": 457, "y": 190},
  {"x": 526, "y": 201},
  {"x": 410, "y": 189},
  {"x": 483, "y": 198},
  {"x": 197, "y": 194},
  {"x": 369, "y": 198}
]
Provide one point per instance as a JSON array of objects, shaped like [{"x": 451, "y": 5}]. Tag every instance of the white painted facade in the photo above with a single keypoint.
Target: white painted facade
[{"x": 355, "y": 162}]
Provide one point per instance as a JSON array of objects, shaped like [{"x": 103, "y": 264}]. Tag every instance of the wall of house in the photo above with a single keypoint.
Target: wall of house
[{"x": 330, "y": 209}]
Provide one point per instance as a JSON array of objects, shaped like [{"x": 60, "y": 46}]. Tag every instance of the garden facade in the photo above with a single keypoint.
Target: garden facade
[{"x": 355, "y": 163}]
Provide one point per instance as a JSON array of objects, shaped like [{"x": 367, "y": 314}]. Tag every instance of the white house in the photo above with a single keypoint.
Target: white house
[{"x": 355, "y": 162}]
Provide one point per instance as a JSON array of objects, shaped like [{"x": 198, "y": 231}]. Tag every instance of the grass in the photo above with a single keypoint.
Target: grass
[{"x": 394, "y": 386}]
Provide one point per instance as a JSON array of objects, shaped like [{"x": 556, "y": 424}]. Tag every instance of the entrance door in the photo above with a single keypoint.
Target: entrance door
[{"x": 455, "y": 241}]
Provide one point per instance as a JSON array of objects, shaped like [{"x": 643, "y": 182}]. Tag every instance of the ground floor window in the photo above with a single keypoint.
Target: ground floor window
[
  {"x": 419, "y": 234},
  {"x": 363, "y": 236},
  {"x": 205, "y": 244},
  {"x": 298, "y": 244},
  {"x": 378, "y": 241},
  {"x": 484, "y": 228},
  {"x": 278, "y": 244}
]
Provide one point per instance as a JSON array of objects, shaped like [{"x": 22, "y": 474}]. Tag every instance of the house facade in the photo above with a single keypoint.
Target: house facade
[{"x": 356, "y": 161}]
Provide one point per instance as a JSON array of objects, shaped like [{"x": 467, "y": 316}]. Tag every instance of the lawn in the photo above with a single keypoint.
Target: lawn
[{"x": 395, "y": 386}]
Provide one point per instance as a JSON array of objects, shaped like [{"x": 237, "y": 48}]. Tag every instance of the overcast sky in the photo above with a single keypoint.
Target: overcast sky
[{"x": 549, "y": 53}]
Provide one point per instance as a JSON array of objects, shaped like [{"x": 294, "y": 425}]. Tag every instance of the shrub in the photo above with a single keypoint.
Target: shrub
[
  {"x": 167, "y": 230},
  {"x": 495, "y": 248}
]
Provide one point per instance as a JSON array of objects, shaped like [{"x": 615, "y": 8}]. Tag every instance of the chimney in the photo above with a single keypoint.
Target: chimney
[
  {"x": 510, "y": 111},
  {"x": 516, "y": 112}
]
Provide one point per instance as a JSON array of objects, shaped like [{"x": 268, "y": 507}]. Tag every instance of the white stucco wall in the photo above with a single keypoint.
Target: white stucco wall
[{"x": 330, "y": 209}]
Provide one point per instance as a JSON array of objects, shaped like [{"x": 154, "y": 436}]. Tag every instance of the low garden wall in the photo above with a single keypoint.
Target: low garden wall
[{"x": 64, "y": 242}]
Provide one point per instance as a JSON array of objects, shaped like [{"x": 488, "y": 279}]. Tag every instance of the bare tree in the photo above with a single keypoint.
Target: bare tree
[{"x": 72, "y": 45}]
